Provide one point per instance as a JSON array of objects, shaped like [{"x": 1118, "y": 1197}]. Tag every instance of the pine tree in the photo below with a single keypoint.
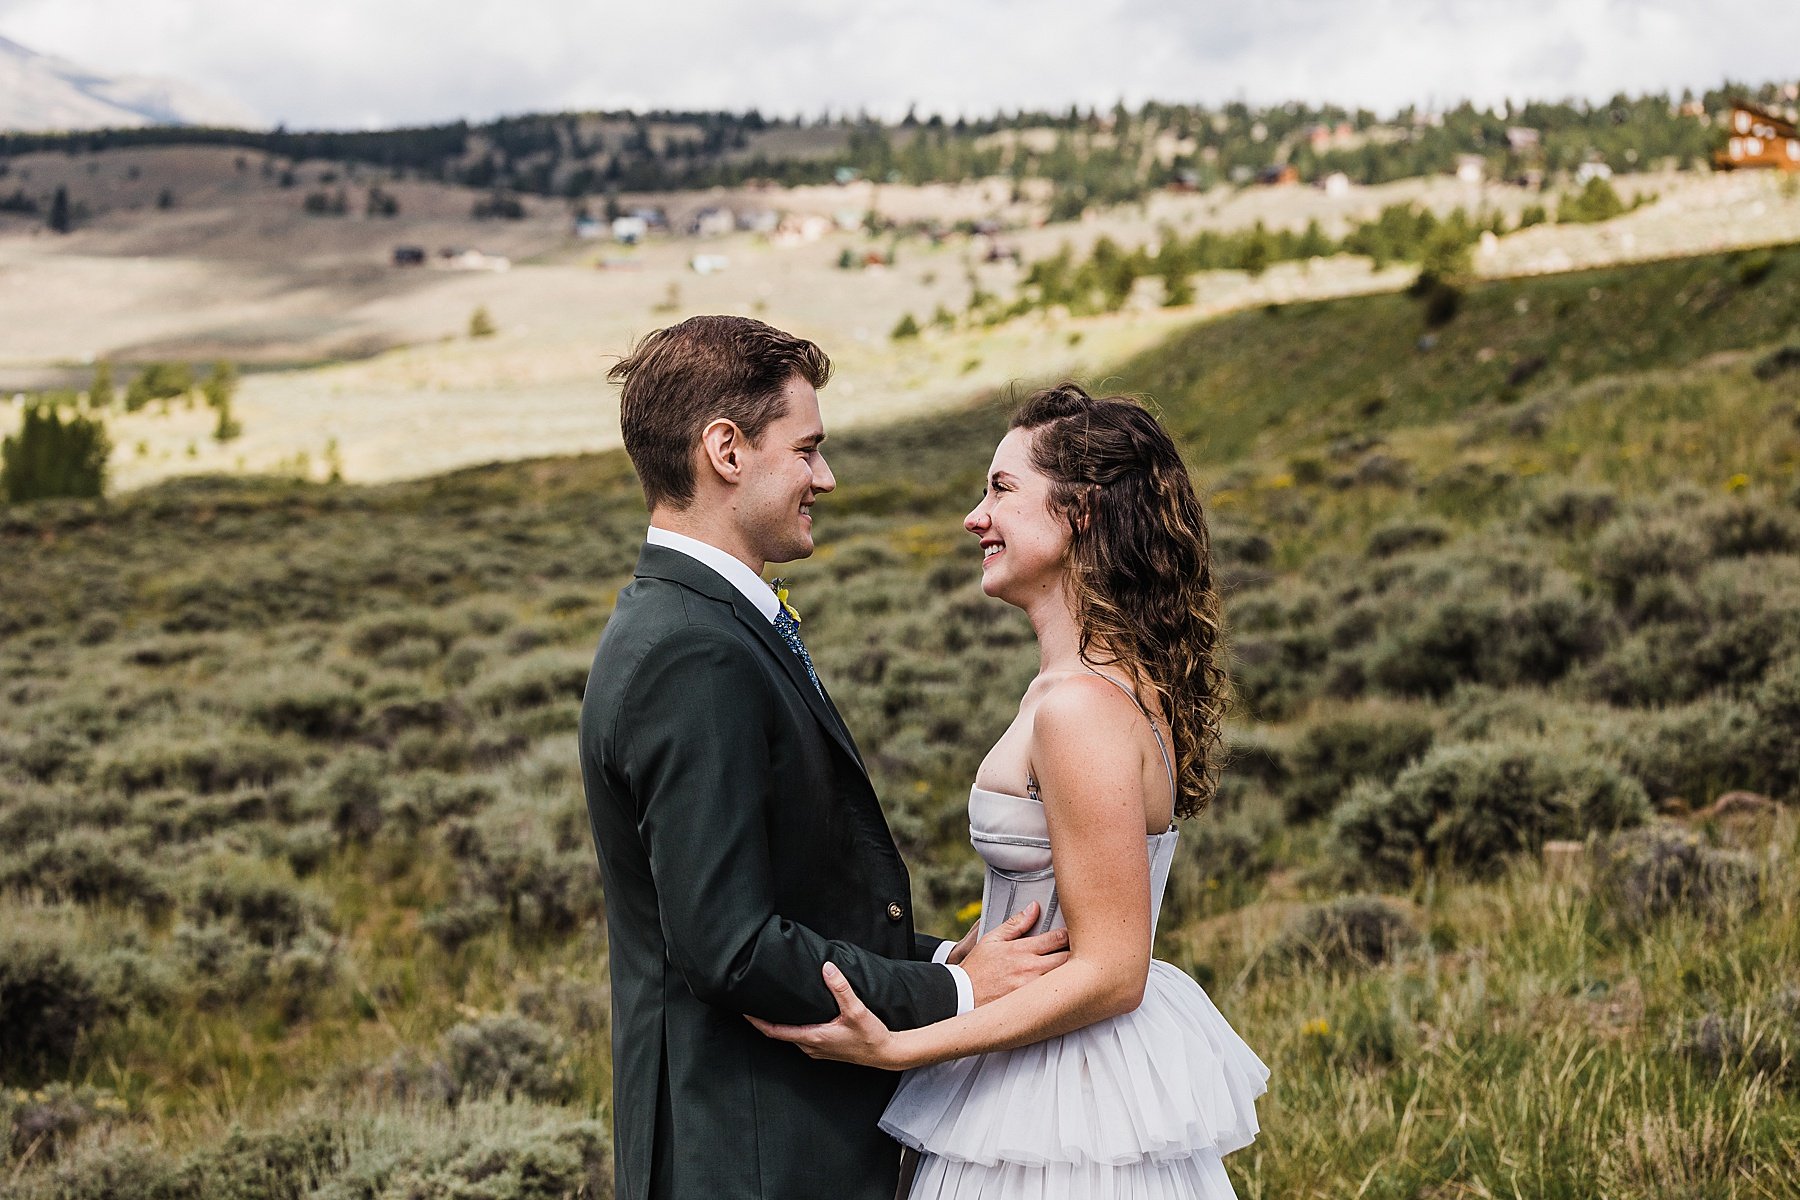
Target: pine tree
[
  {"x": 100, "y": 391},
  {"x": 53, "y": 457},
  {"x": 59, "y": 211}
]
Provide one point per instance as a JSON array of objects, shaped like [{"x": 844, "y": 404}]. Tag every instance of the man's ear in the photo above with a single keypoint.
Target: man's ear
[{"x": 723, "y": 443}]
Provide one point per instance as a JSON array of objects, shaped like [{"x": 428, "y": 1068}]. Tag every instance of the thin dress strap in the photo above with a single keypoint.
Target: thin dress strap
[{"x": 1031, "y": 787}]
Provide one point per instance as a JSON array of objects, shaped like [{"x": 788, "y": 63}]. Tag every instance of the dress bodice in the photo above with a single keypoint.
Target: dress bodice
[{"x": 1012, "y": 837}]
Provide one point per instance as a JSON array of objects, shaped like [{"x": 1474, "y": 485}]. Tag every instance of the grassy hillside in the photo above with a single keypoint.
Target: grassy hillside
[{"x": 291, "y": 840}]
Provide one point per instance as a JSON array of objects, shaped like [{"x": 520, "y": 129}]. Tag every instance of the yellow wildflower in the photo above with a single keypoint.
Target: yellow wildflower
[
  {"x": 1737, "y": 483},
  {"x": 1318, "y": 1027}
]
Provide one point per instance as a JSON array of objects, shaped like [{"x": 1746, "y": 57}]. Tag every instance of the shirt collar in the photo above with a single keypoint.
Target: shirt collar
[{"x": 727, "y": 566}]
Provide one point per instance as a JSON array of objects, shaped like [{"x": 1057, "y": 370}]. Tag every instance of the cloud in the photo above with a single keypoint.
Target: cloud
[{"x": 349, "y": 63}]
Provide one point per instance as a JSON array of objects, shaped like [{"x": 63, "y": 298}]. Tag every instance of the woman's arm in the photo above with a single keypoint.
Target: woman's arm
[{"x": 1087, "y": 746}]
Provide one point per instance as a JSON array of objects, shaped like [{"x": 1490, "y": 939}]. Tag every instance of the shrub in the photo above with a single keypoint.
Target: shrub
[
  {"x": 427, "y": 798},
  {"x": 1572, "y": 511},
  {"x": 1645, "y": 874},
  {"x": 40, "y": 1123},
  {"x": 1218, "y": 864},
  {"x": 52, "y": 456},
  {"x": 351, "y": 794},
  {"x": 1758, "y": 1038},
  {"x": 503, "y": 1056},
  {"x": 1633, "y": 551},
  {"x": 1471, "y": 806},
  {"x": 158, "y": 381},
  {"x": 1596, "y": 201},
  {"x": 161, "y": 758},
  {"x": 1348, "y": 933},
  {"x": 48, "y": 1001},
  {"x": 1776, "y": 703},
  {"x": 1399, "y": 537},
  {"x": 1742, "y": 527},
  {"x": 1451, "y": 641},
  {"x": 906, "y": 328},
  {"x": 539, "y": 890},
  {"x": 1545, "y": 634},
  {"x": 1777, "y": 362},
  {"x": 1333, "y": 754},
  {"x": 227, "y": 964},
  {"x": 371, "y": 636},
  {"x": 255, "y": 900},
  {"x": 456, "y": 925},
  {"x": 315, "y": 705},
  {"x": 1753, "y": 266},
  {"x": 546, "y": 677},
  {"x": 1693, "y": 752},
  {"x": 88, "y": 867},
  {"x": 512, "y": 1152},
  {"x": 48, "y": 753}
]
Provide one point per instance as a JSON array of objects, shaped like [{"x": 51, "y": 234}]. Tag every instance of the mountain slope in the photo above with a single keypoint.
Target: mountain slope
[{"x": 39, "y": 93}]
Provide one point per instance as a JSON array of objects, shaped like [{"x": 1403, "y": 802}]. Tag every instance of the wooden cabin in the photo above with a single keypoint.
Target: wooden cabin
[{"x": 1756, "y": 137}]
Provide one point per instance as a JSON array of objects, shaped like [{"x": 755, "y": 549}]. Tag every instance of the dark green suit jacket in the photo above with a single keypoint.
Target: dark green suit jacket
[{"x": 741, "y": 846}]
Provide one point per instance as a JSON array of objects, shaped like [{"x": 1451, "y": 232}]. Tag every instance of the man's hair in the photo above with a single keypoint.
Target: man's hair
[{"x": 678, "y": 380}]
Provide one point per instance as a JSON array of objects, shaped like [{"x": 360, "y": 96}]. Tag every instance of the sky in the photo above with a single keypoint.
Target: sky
[{"x": 379, "y": 63}]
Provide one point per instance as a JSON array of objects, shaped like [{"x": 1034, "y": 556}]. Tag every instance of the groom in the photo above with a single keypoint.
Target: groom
[{"x": 740, "y": 841}]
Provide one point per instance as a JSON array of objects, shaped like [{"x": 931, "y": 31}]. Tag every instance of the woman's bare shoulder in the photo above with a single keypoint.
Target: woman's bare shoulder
[{"x": 1083, "y": 708}]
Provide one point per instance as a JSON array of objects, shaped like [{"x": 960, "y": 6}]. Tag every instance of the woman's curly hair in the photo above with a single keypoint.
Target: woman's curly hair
[{"x": 1140, "y": 564}]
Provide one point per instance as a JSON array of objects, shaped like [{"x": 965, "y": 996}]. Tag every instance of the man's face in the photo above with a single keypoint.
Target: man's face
[{"x": 782, "y": 474}]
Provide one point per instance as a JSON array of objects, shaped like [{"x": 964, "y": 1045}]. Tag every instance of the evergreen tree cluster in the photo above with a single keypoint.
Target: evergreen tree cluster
[
  {"x": 53, "y": 455},
  {"x": 1091, "y": 157}
]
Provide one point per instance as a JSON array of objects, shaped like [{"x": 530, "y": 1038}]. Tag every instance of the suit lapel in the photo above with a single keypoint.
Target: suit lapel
[{"x": 659, "y": 562}]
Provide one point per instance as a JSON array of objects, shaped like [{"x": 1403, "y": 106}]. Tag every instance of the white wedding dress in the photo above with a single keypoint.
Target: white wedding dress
[{"x": 1142, "y": 1106}]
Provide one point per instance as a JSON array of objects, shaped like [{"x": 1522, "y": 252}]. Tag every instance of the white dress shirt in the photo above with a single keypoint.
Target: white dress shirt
[{"x": 738, "y": 575}]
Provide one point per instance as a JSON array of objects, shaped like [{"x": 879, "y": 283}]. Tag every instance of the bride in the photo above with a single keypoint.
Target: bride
[{"x": 1112, "y": 1075}]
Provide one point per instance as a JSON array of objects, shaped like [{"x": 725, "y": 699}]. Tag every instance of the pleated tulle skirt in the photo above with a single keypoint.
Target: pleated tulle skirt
[{"x": 1141, "y": 1107}]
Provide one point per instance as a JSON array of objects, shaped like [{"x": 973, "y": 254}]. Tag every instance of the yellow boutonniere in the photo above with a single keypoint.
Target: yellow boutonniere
[{"x": 781, "y": 594}]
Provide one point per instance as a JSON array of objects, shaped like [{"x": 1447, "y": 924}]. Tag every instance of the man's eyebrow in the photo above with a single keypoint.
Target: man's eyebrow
[
  {"x": 812, "y": 438},
  {"x": 998, "y": 476}
]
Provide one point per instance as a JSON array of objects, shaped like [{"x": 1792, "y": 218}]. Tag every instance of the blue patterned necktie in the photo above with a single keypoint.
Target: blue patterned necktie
[{"x": 789, "y": 629}]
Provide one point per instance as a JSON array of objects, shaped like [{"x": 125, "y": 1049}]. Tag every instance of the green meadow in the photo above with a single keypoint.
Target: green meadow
[{"x": 297, "y": 897}]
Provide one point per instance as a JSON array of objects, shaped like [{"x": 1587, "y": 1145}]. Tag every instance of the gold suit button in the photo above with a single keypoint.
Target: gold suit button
[{"x": 895, "y": 912}]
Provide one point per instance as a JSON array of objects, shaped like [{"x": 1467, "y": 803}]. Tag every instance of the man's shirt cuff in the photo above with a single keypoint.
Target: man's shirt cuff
[{"x": 965, "y": 991}]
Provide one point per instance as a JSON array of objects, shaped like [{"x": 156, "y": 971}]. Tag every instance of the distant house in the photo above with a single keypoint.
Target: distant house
[
  {"x": 588, "y": 227},
  {"x": 711, "y": 222},
  {"x": 1336, "y": 185},
  {"x": 629, "y": 231},
  {"x": 1521, "y": 139},
  {"x": 452, "y": 259},
  {"x": 1278, "y": 175},
  {"x": 1471, "y": 168},
  {"x": 1758, "y": 138},
  {"x": 797, "y": 230},
  {"x": 758, "y": 220},
  {"x": 409, "y": 256},
  {"x": 1591, "y": 170},
  {"x": 1328, "y": 137}
]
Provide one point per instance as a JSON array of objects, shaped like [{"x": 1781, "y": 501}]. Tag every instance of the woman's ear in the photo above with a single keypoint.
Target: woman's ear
[
  {"x": 1084, "y": 508},
  {"x": 723, "y": 444}
]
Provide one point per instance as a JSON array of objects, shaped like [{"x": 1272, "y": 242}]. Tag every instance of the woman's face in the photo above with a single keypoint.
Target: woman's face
[{"x": 1024, "y": 543}]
